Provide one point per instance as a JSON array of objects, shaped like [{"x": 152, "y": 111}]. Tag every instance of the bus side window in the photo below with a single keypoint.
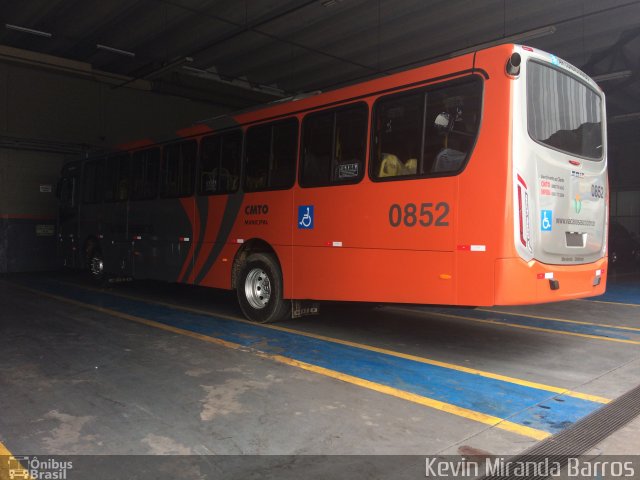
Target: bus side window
[
  {"x": 398, "y": 135},
  {"x": 317, "y": 140},
  {"x": 116, "y": 182},
  {"x": 68, "y": 192},
  {"x": 427, "y": 131},
  {"x": 270, "y": 156},
  {"x": 110, "y": 178},
  {"x": 284, "y": 149},
  {"x": 145, "y": 166},
  {"x": 124, "y": 178},
  {"x": 230, "y": 155},
  {"x": 178, "y": 164},
  {"x": 334, "y": 145},
  {"x": 350, "y": 143},
  {"x": 452, "y": 124},
  {"x": 220, "y": 163},
  {"x": 209, "y": 164},
  {"x": 92, "y": 178}
]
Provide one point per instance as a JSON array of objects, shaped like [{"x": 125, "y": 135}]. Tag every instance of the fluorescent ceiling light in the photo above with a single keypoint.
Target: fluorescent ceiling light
[
  {"x": 612, "y": 76},
  {"x": 115, "y": 50},
  {"x": 529, "y": 35},
  {"x": 625, "y": 117},
  {"x": 31, "y": 31}
]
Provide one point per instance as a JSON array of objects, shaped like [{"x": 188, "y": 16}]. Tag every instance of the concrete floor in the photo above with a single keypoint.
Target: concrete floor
[{"x": 80, "y": 378}]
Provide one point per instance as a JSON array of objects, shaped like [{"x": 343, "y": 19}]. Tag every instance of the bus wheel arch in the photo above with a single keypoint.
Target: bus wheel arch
[
  {"x": 258, "y": 281},
  {"x": 255, "y": 245}
]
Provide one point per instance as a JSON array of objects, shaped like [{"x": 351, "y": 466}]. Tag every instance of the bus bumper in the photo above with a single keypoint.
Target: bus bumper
[{"x": 518, "y": 282}]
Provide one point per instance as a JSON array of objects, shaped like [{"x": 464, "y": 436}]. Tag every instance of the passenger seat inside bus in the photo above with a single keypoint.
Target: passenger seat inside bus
[
  {"x": 392, "y": 166},
  {"x": 448, "y": 160}
]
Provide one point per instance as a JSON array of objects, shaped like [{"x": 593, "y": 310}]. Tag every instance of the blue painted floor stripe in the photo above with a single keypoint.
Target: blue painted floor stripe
[
  {"x": 524, "y": 405},
  {"x": 501, "y": 317},
  {"x": 620, "y": 292}
]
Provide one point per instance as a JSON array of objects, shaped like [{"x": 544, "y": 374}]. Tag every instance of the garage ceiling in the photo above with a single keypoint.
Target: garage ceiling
[{"x": 240, "y": 53}]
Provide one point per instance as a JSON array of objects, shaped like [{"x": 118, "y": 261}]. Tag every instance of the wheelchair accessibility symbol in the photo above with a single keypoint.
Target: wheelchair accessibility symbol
[
  {"x": 546, "y": 219},
  {"x": 305, "y": 217}
]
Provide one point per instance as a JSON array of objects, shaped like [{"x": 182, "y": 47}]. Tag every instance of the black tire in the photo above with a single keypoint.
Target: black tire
[
  {"x": 94, "y": 259},
  {"x": 259, "y": 289}
]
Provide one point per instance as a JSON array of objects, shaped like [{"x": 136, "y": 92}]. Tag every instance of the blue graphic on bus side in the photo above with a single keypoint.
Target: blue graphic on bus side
[
  {"x": 305, "y": 217},
  {"x": 546, "y": 220}
]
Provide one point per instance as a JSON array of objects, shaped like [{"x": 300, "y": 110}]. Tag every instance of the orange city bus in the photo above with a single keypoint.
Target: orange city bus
[{"x": 478, "y": 180}]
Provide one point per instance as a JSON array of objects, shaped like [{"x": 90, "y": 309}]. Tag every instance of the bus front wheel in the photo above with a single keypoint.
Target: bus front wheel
[{"x": 259, "y": 289}]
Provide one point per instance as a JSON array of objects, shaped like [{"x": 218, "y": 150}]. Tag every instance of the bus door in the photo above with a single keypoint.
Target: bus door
[
  {"x": 116, "y": 242},
  {"x": 68, "y": 196},
  {"x": 173, "y": 215}
]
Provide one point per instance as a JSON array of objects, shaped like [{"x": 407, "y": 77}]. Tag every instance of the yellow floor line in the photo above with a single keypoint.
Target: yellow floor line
[
  {"x": 428, "y": 361},
  {"x": 564, "y": 320},
  {"x": 525, "y": 327},
  {"x": 609, "y": 303},
  {"x": 411, "y": 397},
  {"x": 418, "y": 399}
]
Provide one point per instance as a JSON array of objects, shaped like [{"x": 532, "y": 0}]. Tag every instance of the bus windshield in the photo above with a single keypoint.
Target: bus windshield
[{"x": 563, "y": 113}]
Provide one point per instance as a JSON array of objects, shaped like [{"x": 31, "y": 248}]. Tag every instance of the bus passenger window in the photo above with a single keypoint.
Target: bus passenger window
[
  {"x": 230, "y": 154},
  {"x": 453, "y": 115},
  {"x": 209, "y": 164},
  {"x": 426, "y": 132},
  {"x": 271, "y": 156},
  {"x": 116, "y": 185},
  {"x": 92, "y": 177},
  {"x": 334, "y": 146},
  {"x": 144, "y": 174},
  {"x": 67, "y": 192},
  {"x": 398, "y": 135},
  {"x": 178, "y": 163},
  {"x": 220, "y": 163},
  {"x": 317, "y": 141}
]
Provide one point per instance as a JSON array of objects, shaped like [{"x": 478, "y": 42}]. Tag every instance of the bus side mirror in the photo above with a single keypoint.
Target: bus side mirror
[{"x": 58, "y": 188}]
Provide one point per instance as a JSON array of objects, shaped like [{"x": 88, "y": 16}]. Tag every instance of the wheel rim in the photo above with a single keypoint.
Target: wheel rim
[
  {"x": 257, "y": 288},
  {"x": 97, "y": 266}
]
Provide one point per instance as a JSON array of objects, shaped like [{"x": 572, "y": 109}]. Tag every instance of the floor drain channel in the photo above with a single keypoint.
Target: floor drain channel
[{"x": 583, "y": 435}]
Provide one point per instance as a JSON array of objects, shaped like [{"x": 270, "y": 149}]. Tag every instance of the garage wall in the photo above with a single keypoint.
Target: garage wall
[
  {"x": 624, "y": 175},
  {"x": 44, "y": 114}
]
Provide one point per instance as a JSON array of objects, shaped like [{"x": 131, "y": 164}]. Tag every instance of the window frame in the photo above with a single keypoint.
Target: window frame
[
  {"x": 220, "y": 134},
  {"x": 107, "y": 159},
  {"x": 158, "y": 177},
  {"x": 575, "y": 77},
  {"x": 367, "y": 138},
  {"x": 243, "y": 167},
  {"x": 99, "y": 193},
  {"x": 425, "y": 89},
  {"x": 161, "y": 181}
]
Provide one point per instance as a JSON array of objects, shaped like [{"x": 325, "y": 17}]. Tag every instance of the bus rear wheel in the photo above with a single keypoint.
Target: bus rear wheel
[
  {"x": 96, "y": 267},
  {"x": 259, "y": 289}
]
